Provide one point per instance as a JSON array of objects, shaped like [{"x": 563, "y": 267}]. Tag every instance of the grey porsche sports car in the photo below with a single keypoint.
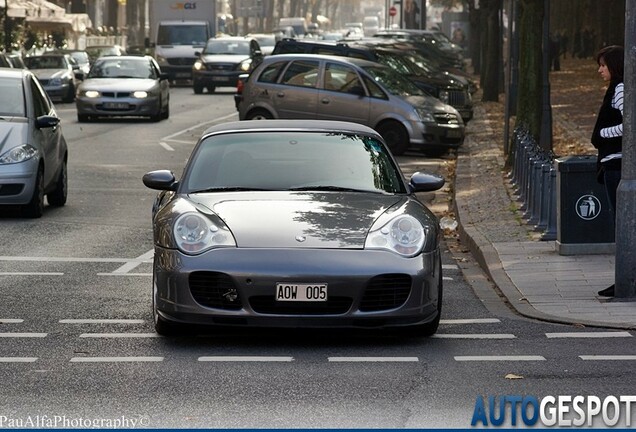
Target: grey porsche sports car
[{"x": 294, "y": 223}]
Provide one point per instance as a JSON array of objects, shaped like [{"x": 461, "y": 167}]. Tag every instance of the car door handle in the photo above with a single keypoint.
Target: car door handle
[
  {"x": 325, "y": 101},
  {"x": 280, "y": 94}
]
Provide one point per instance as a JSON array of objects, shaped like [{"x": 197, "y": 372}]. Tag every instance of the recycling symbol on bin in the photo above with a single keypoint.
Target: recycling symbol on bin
[{"x": 588, "y": 207}]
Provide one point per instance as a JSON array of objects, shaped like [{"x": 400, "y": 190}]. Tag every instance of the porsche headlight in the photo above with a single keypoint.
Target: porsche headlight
[
  {"x": 425, "y": 115},
  {"x": 198, "y": 65},
  {"x": 140, "y": 94},
  {"x": 246, "y": 65},
  {"x": 403, "y": 235},
  {"x": 193, "y": 234},
  {"x": 18, "y": 154}
]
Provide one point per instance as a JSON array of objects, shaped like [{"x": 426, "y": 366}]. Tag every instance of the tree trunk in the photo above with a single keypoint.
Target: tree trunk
[
  {"x": 491, "y": 69},
  {"x": 529, "y": 102}
]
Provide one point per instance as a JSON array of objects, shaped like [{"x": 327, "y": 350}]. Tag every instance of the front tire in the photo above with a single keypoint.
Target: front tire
[
  {"x": 70, "y": 96},
  {"x": 58, "y": 197},
  {"x": 198, "y": 88},
  {"x": 211, "y": 89},
  {"x": 35, "y": 208},
  {"x": 395, "y": 135}
]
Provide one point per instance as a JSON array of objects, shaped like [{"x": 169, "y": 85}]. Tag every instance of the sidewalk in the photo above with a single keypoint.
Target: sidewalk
[{"x": 534, "y": 278}]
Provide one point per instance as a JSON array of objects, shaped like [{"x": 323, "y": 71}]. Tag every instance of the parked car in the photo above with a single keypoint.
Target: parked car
[
  {"x": 223, "y": 60},
  {"x": 57, "y": 74},
  {"x": 81, "y": 58},
  {"x": 12, "y": 60},
  {"x": 266, "y": 41},
  {"x": 305, "y": 86},
  {"x": 327, "y": 232},
  {"x": 5, "y": 62},
  {"x": 33, "y": 151},
  {"x": 124, "y": 86},
  {"x": 447, "y": 88},
  {"x": 96, "y": 51}
]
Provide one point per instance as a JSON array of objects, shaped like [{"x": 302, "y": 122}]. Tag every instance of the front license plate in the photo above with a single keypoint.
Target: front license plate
[
  {"x": 220, "y": 79},
  {"x": 182, "y": 75},
  {"x": 301, "y": 292},
  {"x": 115, "y": 105},
  {"x": 454, "y": 133}
]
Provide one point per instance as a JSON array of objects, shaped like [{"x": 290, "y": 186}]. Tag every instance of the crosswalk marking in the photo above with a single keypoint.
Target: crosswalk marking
[
  {"x": 245, "y": 359},
  {"x": 18, "y": 359},
  {"x": 373, "y": 359},
  {"x": 500, "y": 358},
  {"x": 470, "y": 321},
  {"x": 119, "y": 335},
  {"x": 607, "y": 357},
  {"x": 101, "y": 321},
  {"x": 473, "y": 336},
  {"x": 616, "y": 334},
  {"x": 125, "y": 274},
  {"x": 31, "y": 274},
  {"x": 10, "y": 321},
  {"x": 23, "y": 335},
  {"x": 114, "y": 359}
]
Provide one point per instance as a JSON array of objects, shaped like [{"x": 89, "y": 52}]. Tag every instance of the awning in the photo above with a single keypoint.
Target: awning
[
  {"x": 32, "y": 8},
  {"x": 49, "y": 23}
]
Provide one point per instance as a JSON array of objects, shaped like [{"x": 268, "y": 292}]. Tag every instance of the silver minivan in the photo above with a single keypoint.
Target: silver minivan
[{"x": 310, "y": 86}]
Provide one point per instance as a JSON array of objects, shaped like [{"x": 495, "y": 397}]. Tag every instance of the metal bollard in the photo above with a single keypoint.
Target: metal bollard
[
  {"x": 534, "y": 190},
  {"x": 551, "y": 231},
  {"x": 542, "y": 223}
]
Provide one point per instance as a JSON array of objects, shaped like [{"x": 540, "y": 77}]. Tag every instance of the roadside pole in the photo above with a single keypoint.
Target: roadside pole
[{"x": 625, "y": 271}]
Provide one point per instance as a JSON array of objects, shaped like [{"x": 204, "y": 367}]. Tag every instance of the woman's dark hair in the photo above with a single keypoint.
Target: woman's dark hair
[{"x": 614, "y": 58}]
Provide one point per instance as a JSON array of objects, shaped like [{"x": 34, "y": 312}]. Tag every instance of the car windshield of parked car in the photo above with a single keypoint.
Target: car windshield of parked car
[
  {"x": 46, "y": 62},
  {"x": 80, "y": 57},
  {"x": 117, "y": 68},
  {"x": 219, "y": 46},
  {"x": 11, "y": 98},
  {"x": 394, "y": 83},
  {"x": 300, "y": 161}
]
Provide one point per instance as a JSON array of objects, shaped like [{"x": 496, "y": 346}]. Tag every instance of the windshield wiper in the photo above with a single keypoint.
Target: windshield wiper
[
  {"x": 228, "y": 189},
  {"x": 328, "y": 188}
]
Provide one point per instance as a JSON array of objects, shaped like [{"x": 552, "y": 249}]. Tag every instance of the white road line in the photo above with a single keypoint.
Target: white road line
[
  {"x": 10, "y": 321},
  {"x": 608, "y": 357},
  {"x": 617, "y": 334},
  {"x": 373, "y": 359},
  {"x": 245, "y": 359},
  {"x": 101, "y": 321},
  {"x": 114, "y": 359},
  {"x": 446, "y": 278},
  {"x": 66, "y": 259},
  {"x": 499, "y": 358},
  {"x": 450, "y": 267},
  {"x": 473, "y": 336},
  {"x": 31, "y": 274},
  {"x": 125, "y": 274},
  {"x": 470, "y": 321},
  {"x": 18, "y": 359},
  {"x": 198, "y": 125},
  {"x": 166, "y": 146},
  {"x": 119, "y": 335},
  {"x": 23, "y": 335},
  {"x": 134, "y": 263}
]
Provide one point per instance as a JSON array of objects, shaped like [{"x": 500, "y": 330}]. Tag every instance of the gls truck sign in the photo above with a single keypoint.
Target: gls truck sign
[{"x": 184, "y": 5}]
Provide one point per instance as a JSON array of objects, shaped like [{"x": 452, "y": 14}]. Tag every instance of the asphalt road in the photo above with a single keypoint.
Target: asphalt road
[{"x": 77, "y": 343}]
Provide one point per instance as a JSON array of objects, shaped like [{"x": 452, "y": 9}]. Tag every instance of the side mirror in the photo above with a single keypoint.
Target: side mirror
[
  {"x": 164, "y": 76},
  {"x": 161, "y": 180},
  {"x": 197, "y": 53},
  {"x": 356, "y": 90},
  {"x": 47, "y": 121},
  {"x": 79, "y": 75},
  {"x": 426, "y": 182}
]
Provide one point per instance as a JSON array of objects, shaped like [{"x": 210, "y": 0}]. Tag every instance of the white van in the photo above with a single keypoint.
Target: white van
[
  {"x": 370, "y": 25},
  {"x": 299, "y": 24}
]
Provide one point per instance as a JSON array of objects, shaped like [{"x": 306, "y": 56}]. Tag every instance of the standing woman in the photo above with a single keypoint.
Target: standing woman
[{"x": 608, "y": 131}]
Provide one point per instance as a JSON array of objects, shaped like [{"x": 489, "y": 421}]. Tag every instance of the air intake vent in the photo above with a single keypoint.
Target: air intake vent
[
  {"x": 215, "y": 290},
  {"x": 386, "y": 292}
]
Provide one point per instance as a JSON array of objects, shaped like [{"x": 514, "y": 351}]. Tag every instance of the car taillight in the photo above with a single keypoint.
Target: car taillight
[{"x": 239, "y": 86}]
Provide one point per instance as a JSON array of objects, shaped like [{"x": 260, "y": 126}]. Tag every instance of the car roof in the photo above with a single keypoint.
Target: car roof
[
  {"x": 291, "y": 125},
  {"x": 342, "y": 59},
  {"x": 124, "y": 57},
  {"x": 13, "y": 73}
]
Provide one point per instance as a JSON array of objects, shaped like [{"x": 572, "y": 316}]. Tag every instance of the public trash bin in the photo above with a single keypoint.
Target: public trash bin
[{"x": 585, "y": 224}]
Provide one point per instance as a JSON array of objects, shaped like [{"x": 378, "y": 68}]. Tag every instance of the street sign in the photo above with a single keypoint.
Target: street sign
[{"x": 392, "y": 11}]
